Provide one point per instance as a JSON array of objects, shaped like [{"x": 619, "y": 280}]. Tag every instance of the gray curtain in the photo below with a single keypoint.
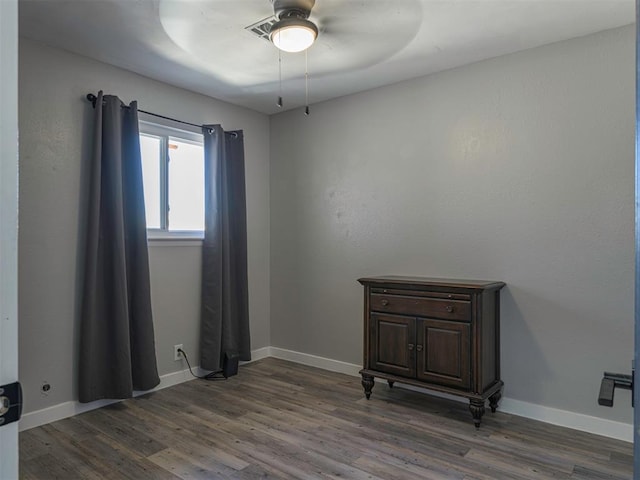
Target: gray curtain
[
  {"x": 117, "y": 347},
  {"x": 225, "y": 305}
]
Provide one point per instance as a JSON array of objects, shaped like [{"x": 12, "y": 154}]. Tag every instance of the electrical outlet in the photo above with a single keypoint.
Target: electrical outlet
[
  {"x": 177, "y": 356},
  {"x": 45, "y": 388}
]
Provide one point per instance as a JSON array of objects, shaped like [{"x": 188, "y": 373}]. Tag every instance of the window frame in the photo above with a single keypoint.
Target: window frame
[{"x": 165, "y": 133}]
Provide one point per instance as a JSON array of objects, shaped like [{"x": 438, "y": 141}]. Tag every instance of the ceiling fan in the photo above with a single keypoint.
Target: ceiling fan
[
  {"x": 293, "y": 31},
  {"x": 290, "y": 30},
  {"x": 295, "y": 25},
  {"x": 219, "y": 38}
]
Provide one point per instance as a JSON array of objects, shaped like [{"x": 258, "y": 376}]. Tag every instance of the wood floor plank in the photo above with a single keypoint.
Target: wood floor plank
[
  {"x": 50, "y": 467},
  {"x": 254, "y": 472},
  {"x": 118, "y": 429},
  {"x": 281, "y": 420},
  {"x": 190, "y": 467},
  {"x": 119, "y": 460},
  {"x": 182, "y": 441},
  {"x": 50, "y": 442}
]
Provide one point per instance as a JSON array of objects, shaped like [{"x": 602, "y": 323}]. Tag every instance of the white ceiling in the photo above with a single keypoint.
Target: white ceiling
[{"x": 201, "y": 45}]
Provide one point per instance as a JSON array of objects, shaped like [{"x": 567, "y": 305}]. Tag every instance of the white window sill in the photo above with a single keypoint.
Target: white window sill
[{"x": 173, "y": 239}]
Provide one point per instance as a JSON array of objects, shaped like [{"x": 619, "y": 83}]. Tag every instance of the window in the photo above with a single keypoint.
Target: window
[{"x": 173, "y": 177}]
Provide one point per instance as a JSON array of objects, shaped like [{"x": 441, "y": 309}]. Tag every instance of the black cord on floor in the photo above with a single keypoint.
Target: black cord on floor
[{"x": 209, "y": 376}]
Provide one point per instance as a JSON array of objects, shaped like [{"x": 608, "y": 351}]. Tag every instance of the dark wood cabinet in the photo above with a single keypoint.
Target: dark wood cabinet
[
  {"x": 390, "y": 335},
  {"x": 435, "y": 333},
  {"x": 444, "y": 353}
]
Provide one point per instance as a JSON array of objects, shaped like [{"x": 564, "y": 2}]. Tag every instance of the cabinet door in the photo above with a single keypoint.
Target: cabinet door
[
  {"x": 444, "y": 352},
  {"x": 392, "y": 341}
]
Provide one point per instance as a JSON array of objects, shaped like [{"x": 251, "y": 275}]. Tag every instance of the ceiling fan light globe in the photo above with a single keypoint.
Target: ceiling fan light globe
[{"x": 293, "y": 36}]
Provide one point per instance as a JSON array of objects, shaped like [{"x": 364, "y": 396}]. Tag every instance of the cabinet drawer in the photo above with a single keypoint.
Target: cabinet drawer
[{"x": 421, "y": 306}]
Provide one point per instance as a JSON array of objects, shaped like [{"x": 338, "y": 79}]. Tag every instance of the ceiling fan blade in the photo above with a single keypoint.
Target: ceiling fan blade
[
  {"x": 357, "y": 34},
  {"x": 212, "y": 33},
  {"x": 380, "y": 17}
]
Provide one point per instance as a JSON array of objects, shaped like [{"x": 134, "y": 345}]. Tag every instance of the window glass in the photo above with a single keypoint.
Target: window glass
[
  {"x": 151, "y": 159},
  {"x": 186, "y": 185},
  {"x": 173, "y": 177}
]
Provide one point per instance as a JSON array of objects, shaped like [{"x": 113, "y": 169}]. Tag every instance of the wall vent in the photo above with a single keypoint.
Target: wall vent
[{"x": 262, "y": 28}]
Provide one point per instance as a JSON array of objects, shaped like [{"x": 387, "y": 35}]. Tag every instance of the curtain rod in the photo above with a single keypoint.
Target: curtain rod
[{"x": 93, "y": 98}]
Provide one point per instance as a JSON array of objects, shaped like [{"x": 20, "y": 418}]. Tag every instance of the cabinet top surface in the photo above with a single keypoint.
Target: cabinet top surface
[{"x": 431, "y": 282}]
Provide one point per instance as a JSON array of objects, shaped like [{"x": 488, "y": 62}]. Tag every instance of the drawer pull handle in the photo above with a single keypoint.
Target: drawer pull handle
[
  {"x": 419, "y": 348},
  {"x": 449, "y": 308},
  {"x": 411, "y": 346},
  {"x": 384, "y": 302}
]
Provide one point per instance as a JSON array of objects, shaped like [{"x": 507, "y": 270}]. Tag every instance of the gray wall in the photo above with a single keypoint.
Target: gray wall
[
  {"x": 519, "y": 168},
  {"x": 53, "y": 156}
]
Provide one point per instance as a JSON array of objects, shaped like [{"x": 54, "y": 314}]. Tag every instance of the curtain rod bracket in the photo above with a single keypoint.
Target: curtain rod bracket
[{"x": 92, "y": 98}]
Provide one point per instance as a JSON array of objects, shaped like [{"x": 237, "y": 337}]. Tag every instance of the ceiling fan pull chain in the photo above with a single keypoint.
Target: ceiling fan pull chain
[
  {"x": 280, "y": 77},
  {"x": 306, "y": 83}
]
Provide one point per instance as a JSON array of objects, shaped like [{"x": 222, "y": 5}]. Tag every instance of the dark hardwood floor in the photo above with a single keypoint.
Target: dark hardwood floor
[{"x": 278, "y": 419}]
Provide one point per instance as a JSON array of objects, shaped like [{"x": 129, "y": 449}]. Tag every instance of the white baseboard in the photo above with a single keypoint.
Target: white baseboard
[
  {"x": 564, "y": 418},
  {"x": 316, "y": 361},
  {"x": 258, "y": 354},
  {"x": 69, "y": 409}
]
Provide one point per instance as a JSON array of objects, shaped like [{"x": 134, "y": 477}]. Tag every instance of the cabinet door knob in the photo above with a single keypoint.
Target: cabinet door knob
[
  {"x": 419, "y": 348},
  {"x": 449, "y": 308},
  {"x": 411, "y": 346},
  {"x": 384, "y": 302}
]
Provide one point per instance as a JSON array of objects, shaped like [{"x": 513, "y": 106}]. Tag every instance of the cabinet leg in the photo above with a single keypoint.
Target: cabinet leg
[
  {"x": 390, "y": 382},
  {"x": 367, "y": 384},
  {"x": 494, "y": 399},
  {"x": 477, "y": 410}
]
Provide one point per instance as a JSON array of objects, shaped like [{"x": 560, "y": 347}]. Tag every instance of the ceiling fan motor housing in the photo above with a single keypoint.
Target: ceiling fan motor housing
[{"x": 293, "y": 8}]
